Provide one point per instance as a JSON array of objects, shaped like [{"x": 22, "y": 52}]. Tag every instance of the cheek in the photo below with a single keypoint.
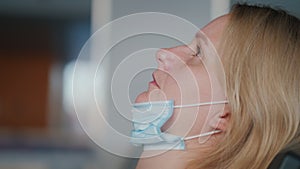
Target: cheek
[
  {"x": 182, "y": 86},
  {"x": 173, "y": 93},
  {"x": 204, "y": 89},
  {"x": 204, "y": 84},
  {"x": 171, "y": 89}
]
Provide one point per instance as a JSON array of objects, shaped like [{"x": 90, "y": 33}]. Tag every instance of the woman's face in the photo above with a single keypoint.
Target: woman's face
[{"x": 187, "y": 75}]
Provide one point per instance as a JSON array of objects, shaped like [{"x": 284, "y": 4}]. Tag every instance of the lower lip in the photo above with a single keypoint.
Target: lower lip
[{"x": 153, "y": 83}]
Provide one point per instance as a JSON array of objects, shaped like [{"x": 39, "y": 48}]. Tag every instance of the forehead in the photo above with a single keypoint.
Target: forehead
[{"x": 214, "y": 29}]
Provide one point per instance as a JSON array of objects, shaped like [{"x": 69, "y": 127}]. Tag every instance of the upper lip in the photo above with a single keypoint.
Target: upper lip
[{"x": 154, "y": 79}]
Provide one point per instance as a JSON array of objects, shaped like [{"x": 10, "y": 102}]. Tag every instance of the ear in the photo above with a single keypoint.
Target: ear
[
  {"x": 220, "y": 122},
  {"x": 223, "y": 121}
]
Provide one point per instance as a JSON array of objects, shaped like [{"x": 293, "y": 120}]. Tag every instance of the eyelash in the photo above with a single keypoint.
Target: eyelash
[{"x": 198, "y": 51}]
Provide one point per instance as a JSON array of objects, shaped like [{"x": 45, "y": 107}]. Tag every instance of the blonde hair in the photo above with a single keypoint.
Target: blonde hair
[{"x": 261, "y": 59}]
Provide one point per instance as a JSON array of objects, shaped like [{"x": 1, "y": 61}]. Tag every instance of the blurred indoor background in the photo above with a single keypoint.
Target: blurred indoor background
[{"x": 40, "y": 39}]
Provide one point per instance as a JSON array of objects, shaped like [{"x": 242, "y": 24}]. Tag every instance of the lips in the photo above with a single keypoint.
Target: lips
[{"x": 154, "y": 82}]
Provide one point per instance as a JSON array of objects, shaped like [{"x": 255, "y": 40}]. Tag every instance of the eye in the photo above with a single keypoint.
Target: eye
[{"x": 198, "y": 51}]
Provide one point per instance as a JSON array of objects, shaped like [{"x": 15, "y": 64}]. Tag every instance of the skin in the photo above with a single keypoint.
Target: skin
[{"x": 182, "y": 77}]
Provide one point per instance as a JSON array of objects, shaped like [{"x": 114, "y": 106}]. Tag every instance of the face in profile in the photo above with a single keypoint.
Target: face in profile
[{"x": 190, "y": 74}]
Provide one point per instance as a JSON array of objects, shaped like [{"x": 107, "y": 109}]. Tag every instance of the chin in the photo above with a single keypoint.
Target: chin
[{"x": 143, "y": 97}]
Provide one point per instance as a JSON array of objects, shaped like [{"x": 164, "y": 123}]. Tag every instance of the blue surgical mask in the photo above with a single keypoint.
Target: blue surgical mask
[{"x": 149, "y": 117}]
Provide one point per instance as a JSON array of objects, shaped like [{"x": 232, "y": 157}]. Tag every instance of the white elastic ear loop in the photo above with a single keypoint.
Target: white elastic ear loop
[
  {"x": 201, "y": 104},
  {"x": 202, "y": 135}
]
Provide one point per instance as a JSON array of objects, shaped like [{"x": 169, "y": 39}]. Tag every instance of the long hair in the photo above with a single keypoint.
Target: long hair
[{"x": 261, "y": 56}]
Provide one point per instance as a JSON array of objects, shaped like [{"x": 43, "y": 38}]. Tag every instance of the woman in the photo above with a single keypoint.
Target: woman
[{"x": 259, "y": 49}]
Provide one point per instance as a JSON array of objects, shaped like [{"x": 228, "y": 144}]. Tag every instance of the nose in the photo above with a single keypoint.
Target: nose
[
  {"x": 161, "y": 58},
  {"x": 168, "y": 58}
]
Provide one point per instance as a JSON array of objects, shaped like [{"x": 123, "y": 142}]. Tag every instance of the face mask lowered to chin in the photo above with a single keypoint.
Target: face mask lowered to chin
[{"x": 149, "y": 117}]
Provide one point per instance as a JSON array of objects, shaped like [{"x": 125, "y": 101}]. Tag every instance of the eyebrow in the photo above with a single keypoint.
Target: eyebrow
[
  {"x": 198, "y": 37},
  {"x": 198, "y": 34}
]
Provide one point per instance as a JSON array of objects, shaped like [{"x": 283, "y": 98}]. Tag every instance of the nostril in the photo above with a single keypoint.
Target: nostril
[{"x": 161, "y": 55}]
